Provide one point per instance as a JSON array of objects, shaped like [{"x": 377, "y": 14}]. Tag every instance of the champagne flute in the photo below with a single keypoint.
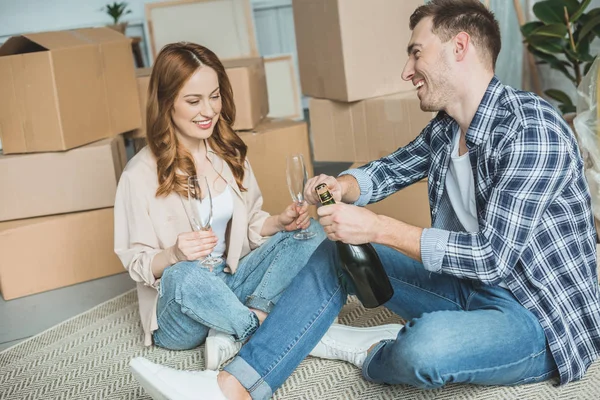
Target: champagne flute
[
  {"x": 296, "y": 179},
  {"x": 200, "y": 201}
]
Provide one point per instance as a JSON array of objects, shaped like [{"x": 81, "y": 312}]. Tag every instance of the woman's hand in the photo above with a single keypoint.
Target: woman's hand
[
  {"x": 194, "y": 245},
  {"x": 294, "y": 217}
]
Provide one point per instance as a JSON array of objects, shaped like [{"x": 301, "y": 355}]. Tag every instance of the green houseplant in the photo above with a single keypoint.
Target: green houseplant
[
  {"x": 117, "y": 10},
  {"x": 561, "y": 38}
]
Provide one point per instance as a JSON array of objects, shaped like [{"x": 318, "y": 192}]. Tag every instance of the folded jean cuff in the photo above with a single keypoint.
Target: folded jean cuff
[
  {"x": 259, "y": 303},
  {"x": 372, "y": 353},
  {"x": 249, "y": 378},
  {"x": 254, "y": 324}
]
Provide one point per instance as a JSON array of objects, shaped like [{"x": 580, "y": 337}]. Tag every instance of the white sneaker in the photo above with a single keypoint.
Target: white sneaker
[
  {"x": 348, "y": 343},
  {"x": 164, "y": 383},
  {"x": 219, "y": 347}
]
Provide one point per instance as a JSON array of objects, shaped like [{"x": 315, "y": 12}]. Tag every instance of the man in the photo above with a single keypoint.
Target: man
[{"x": 501, "y": 290}]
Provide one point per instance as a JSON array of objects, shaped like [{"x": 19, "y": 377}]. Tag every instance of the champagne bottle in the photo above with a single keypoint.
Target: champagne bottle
[{"x": 362, "y": 265}]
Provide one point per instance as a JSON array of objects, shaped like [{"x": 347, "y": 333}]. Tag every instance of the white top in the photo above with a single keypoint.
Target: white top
[
  {"x": 222, "y": 213},
  {"x": 461, "y": 187}
]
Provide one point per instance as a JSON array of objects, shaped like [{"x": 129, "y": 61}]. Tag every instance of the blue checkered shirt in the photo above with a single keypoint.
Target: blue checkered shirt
[{"x": 536, "y": 229}]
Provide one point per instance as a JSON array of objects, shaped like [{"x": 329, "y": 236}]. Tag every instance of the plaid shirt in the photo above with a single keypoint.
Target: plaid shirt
[{"x": 536, "y": 230}]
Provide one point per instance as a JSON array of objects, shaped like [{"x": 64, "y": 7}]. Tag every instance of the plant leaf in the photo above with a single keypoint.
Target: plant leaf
[
  {"x": 547, "y": 45},
  {"x": 587, "y": 67},
  {"x": 588, "y": 27},
  {"x": 559, "y": 96},
  {"x": 552, "y": 11},
  {"x": 551, "y": 30},
  {"x": 529, "y": 27},
  {"x": 574, "y": 17},
  {"x": 554, "y": 62},
  {"x": 565, "y": 109}
]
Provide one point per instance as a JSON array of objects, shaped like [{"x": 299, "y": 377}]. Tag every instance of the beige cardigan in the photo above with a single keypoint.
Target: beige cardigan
[{"x": 145, "y": 225}]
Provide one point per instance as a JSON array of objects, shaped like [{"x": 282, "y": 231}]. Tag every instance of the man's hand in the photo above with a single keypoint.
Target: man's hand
[
  {"x": 310, "y": 195},
  {"x": 349, "y": 223}
]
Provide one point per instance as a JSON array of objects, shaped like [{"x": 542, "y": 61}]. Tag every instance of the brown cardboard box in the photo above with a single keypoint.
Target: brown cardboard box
[
  {"x": 410, "y": 205},
  {"x": 352, "y": 49},
  {"x": 367, "y": 129},
  {"x": 40, "y": 254},
  {"x": 143, "y": 80},
  {"x": 268, "y": 147},
  {"x": 249, "y": 84},
  {"x": 65, "y": 89},
  {"x": 80, "y": 179}
]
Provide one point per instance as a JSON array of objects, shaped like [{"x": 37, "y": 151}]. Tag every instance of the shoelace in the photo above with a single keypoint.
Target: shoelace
[
  {"x": 228, "y": 351},
  {"x": 352, "y": 355}
]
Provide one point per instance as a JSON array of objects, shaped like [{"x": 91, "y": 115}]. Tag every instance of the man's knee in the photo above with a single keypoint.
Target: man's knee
[{"x": 419, "y": 356}]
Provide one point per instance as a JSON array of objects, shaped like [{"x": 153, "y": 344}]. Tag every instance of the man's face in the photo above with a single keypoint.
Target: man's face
[{"x": 429, "y": 67}]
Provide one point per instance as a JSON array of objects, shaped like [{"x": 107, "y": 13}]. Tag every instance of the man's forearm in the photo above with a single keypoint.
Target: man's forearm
[{"x": 400, "y": 236}]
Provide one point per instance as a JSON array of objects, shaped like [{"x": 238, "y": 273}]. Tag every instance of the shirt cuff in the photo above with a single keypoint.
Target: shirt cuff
[
  {"x": 364, "y": 183},
  {"x": 433, "y": 248}
]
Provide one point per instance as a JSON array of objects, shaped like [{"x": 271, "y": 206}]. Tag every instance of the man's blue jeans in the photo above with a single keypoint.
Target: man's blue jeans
[
  {"x": 458, "y": 330},
  {"x": 193, "y": 299}
]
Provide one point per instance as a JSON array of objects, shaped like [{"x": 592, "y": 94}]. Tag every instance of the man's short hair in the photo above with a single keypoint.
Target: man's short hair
[{"x": 450, "y": 17}]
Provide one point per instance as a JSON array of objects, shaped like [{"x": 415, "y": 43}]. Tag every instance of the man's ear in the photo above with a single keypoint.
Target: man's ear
[{"x": 462, "y": 42}]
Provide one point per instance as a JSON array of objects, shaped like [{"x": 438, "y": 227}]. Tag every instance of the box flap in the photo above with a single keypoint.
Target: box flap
[
  {"x": 75, "y": 37},
  {"x": 19, "y": 45}
]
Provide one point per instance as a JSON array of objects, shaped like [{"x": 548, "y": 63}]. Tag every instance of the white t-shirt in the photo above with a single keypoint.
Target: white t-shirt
[
  {"x": 460, "y": 187},
  {"x": 222, "y": 213}
]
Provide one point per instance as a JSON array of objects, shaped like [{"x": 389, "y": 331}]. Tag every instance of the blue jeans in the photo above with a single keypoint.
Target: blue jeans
[
  {"x": 192, "y": 299},
  {"x": 458, "y": 330}
]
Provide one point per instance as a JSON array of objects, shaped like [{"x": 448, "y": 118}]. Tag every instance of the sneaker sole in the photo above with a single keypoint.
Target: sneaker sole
[{"x": 137, "y": 371}]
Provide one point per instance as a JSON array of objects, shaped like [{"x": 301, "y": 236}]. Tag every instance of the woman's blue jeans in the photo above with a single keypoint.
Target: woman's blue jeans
[{"x": 193, "y": 299}]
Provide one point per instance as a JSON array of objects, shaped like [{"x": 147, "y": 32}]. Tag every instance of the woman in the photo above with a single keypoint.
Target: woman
[{"x": 189, "y": 117}]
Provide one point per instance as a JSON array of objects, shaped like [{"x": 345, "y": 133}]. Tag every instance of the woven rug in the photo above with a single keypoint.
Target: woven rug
[{"x": 87, "y": 357}]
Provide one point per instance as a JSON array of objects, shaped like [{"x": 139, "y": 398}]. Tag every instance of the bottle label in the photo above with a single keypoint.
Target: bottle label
[{"x": 324, "y": 194}]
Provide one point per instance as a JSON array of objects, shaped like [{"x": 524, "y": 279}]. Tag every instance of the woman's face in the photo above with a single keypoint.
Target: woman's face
[{"x": 198, "y": 105}]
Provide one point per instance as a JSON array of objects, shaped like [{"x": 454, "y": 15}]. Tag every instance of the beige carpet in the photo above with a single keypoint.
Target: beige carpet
[{"x": 86, "y": 358}]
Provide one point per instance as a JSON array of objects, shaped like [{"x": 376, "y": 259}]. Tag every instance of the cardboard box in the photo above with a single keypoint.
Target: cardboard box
[
  {"x": 410, "y": 205},
  {"x": 351, "y": 50},
  {"x": 41, "y": 254},
  {"x": 142, "y": 76},
  {"x": 53, "y": 183},
  {"x": 64, "y": 89},
  {"x": 367, "y": 129},
  {"x": 249, "y": 84},
  {"x": 268, "y": 147}
]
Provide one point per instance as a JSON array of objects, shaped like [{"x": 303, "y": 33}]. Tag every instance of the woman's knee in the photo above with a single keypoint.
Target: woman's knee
[{"x": 183, "y": 277}]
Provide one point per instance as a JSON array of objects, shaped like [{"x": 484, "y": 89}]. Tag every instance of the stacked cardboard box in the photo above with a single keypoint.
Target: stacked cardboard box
[
  {"x": 66, "y": 96},
  {"x": 351, "y": 55}
]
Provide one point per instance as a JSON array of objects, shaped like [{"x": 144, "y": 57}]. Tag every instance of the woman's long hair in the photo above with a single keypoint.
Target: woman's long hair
[{"x": 174, "y": 65}]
